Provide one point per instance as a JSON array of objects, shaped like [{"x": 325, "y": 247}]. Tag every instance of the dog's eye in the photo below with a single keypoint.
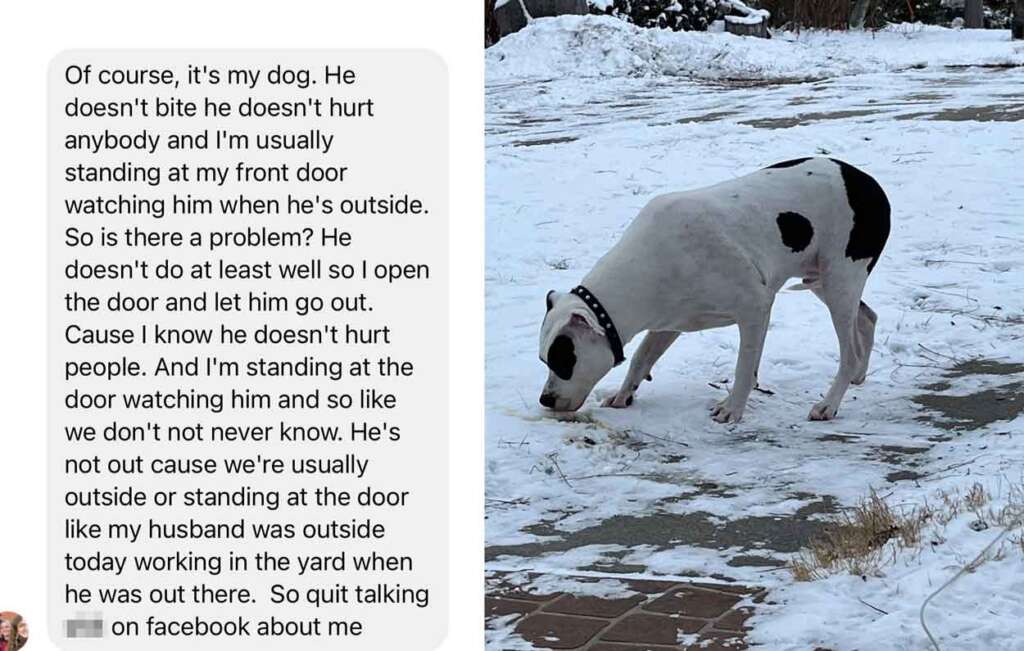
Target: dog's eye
[{"x": 562, "y": 357}]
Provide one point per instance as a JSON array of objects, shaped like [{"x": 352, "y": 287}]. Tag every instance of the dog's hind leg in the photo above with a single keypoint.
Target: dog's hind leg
[
  {"x": 650, "y": 350},
  {"x": 865, "y": 340},
  {"x": 841, "y": 294}
]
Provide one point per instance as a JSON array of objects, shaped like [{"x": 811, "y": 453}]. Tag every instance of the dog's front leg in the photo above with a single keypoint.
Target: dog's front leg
[
  {"x": 651, "y": 348},
  {"x": 752, "y": 333}
]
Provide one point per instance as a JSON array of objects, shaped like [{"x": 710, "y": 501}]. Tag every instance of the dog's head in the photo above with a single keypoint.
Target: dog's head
[{"x": 574, "y": 348}]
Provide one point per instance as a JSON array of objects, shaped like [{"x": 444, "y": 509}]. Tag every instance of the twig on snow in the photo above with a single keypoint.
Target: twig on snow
[
  {"x": 554, "y": 462},
  {"x": 964, "y": 570},
  {"x": 875, "y": 608},
  {"x": 611, "y": 474},
  {"x": 518, "y": 500},
  {"x": 661, "y": 438},
  {"x": 934, "y": 352},
  {"x": 928, "y": 263}
]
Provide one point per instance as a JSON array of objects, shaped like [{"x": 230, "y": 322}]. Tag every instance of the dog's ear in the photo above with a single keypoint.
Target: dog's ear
[
  {"x": 585, "y": 319},
  {"x": 552, "y": 296}
]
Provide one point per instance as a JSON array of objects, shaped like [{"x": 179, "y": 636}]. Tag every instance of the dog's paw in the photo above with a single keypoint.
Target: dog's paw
[
  {"x": 724, "y": 412},
  {"x": 822, "y": 411},
  {"x": 620, "y": 400}
]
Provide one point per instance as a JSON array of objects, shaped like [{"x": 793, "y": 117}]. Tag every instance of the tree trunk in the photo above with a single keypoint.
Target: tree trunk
[
  {"x": 973, "y": 16},
  {"x": 491, "y": 31},
  {"x": 1017, "y": 26},
  {"x": 859, "y": 13},
  {"x": 759, "y": 29}
]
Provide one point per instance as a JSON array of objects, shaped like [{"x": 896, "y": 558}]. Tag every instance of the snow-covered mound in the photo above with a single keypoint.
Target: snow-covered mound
[{"x": 602, "y": 46}]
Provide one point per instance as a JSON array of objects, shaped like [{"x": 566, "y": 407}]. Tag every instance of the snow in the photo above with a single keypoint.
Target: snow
[
  {"x": 587, "y": 120},
  {"x": 750, "y": 16},
  {"x": 745, "y": 20},
  {"x": 603, "y": 46}
]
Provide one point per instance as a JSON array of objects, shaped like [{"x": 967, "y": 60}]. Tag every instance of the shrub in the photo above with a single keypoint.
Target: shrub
[{"x": 677, "y": 15}]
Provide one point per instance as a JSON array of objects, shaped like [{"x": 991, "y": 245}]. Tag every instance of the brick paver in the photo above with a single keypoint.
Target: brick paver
[
  {"x": 558, "y": 631},
  {"x": 660, "y": 616},
  {"x": 694, "y": 602},
  {"x": 500, "y": 606},
  {"x": 643, "y": 628},
  {"x": 594, "y": 606}
]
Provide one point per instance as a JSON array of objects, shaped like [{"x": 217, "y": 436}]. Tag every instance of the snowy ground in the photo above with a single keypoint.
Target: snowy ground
[{"x": 660, "y": 489}]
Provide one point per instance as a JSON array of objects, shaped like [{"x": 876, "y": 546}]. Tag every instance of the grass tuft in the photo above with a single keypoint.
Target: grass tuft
[{"x": 864, "y": 539}]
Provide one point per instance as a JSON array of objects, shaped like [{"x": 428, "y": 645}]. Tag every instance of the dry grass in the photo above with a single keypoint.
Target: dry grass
[{"x": 866, "y": 538}]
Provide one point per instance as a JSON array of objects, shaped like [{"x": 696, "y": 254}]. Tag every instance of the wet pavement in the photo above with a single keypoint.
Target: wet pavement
[
  {"x": 546, "y": 112},
  {"x": 959, "y": 412}
]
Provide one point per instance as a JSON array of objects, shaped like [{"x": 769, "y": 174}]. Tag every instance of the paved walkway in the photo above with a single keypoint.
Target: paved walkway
[{"x": 658, "y": 616}]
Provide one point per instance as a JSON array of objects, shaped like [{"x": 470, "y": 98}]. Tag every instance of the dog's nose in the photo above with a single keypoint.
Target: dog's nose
[{"x": 547, "y": 400}]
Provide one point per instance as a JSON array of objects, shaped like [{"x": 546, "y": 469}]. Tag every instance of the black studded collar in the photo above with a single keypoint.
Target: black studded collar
[{"x": 604, "y": 320}]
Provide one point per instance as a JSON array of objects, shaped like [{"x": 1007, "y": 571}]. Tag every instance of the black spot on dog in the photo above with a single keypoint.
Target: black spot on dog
[
  {"x": 550, "y": 300},
  {"x": 795, "y": 229},
  {"x": 871, "y": 214},
  {"x": 562, "y": 357},
  {"x": 787, "y": 163}
]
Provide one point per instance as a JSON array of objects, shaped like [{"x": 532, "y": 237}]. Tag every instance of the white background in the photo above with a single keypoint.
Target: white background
[{"x": 33, "y": 34}]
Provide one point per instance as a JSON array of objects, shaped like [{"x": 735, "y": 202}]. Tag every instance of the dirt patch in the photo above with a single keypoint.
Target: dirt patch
[
  {"x": 747, "y": 560},
  {"x": 703, "y": 489},
  {"x": 544, "y": 141},
  {"x": 530, "y": 121},
  {"x": 975, "y": 410},
  {"x": 903, "y": 475},
  {"x": 628, "y": 104},
  {"x": 984, "y": 367},
  {"x": 897, "y": 454},
  {"x": 838, "y": 438},
  {"x": 714, "y": 116},
  {"x": 925, "y": 97},
  {"x": 661, "y": 531},
  {"x": 807, "y": 118},
  {"x": 999, "y": 113},
  {"x": 726, "y": 82},
  {"x": 993, "y": 67}
]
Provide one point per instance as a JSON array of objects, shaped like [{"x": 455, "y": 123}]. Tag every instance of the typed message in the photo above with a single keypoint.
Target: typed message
[{"x": 247, "y": 332}]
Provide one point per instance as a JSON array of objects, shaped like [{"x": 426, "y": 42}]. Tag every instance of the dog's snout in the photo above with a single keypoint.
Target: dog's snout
[{"x": 547, "y": 400}]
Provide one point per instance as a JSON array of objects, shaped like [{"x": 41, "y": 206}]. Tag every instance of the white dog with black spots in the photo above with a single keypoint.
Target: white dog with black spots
[{"x": 715, "y": 257}]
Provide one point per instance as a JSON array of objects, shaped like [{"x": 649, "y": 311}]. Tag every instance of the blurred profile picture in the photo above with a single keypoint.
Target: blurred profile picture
[{"x": 13, "y": 631}]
